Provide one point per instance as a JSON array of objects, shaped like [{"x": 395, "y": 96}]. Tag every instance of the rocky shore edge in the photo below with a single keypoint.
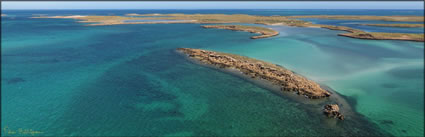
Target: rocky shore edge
[
  {"x": 265, "y": 32},
  {"x": 286, "y": 79}
]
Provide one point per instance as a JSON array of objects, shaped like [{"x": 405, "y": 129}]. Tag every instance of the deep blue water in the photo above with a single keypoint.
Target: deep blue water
[{"x": 60, "y": 77}]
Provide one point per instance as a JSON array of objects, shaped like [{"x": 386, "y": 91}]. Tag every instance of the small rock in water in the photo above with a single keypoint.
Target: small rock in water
[
  {"x": 332, "y": 110},
  {"x": 387, "y": 122}
]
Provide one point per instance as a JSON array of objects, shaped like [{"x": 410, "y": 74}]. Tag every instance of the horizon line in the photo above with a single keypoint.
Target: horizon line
[{"x": 213, "y": 9}]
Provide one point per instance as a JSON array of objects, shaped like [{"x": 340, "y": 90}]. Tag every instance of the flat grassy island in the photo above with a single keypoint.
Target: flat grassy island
[
  {"x": 265, "y": 32},
  {"x": 242, "y": 18},
  {"x": 397, "y": 25}
]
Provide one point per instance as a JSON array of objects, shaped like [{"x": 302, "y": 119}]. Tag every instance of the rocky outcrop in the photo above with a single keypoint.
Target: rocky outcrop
[
  {"x": 265, "y": 32},
  {"x": 332, "y": 110},
  {"x": 287, "y": 80}
]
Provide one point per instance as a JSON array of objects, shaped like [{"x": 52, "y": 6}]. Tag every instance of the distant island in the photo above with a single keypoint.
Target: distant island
[
  {"x": 243, "y": 18},
  {"x": 3, "y": 15},
  {"x": 355, "y": 33},
  {"x": 265, "y": 32},
  {"x": 356, "y": 17},
  {"x": 386, "y": 36},
  {"x": 397, "y": 25}
]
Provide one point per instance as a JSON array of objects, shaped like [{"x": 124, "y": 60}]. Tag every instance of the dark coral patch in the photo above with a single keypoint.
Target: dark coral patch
[{"x": 15, "y": 80}]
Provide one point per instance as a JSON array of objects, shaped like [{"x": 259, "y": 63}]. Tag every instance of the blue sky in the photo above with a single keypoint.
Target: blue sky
[{"x": 212, "y": 5}]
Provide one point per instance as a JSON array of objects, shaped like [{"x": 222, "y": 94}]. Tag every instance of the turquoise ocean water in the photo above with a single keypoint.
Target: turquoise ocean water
[{"x": 62, "y": 78}]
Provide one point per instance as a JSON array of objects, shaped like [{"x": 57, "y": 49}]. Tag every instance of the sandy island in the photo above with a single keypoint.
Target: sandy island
[
  {"x": 266, "y": 20},
  {"x": 3, "y": 15}
]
